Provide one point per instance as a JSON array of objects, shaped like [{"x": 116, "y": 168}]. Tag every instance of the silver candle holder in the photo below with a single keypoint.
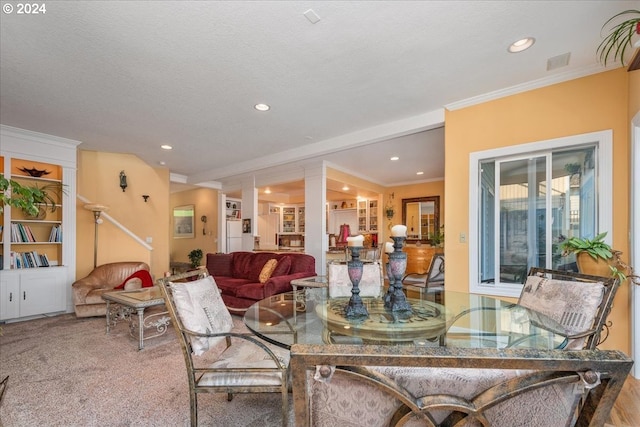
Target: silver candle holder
[
  {"x": 396, "y": 300},
  {"x": 355, "y": 309}
]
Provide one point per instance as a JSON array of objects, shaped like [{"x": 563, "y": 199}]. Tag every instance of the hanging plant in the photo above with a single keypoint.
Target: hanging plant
[{"x": 619, "y": 38}]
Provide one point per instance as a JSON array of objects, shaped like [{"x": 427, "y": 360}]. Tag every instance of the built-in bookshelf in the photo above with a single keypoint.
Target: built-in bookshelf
[{"x": 37, "y": 258}]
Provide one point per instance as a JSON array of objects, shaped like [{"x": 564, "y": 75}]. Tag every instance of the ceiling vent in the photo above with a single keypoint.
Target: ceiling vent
[{"x": 558, "y": 61}]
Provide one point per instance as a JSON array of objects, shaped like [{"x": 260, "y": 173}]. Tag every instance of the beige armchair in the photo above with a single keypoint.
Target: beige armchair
[{"x": 87, "y": 292}]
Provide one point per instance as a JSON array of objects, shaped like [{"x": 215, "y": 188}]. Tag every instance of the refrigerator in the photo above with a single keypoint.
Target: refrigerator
[{"x": 234, "y": 236}]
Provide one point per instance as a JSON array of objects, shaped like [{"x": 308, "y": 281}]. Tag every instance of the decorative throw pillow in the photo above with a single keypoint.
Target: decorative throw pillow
[
  {"x": 201, "y": 309},
  {"x": 572, "y": 304},
  {"x": 143, "y": 275},
  {"x": 133, "y": 283},
  {"x": 267, "y": 270},
  {"x": 283, "y": 267}
]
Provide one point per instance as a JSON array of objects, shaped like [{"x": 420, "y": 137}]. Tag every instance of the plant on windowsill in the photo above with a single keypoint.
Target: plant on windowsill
[
  {"x": 596, "y": 257},
  {"x": 195, "y": 257}
]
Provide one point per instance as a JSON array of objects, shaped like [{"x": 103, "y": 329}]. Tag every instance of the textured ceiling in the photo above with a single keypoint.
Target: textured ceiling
[{"x": 130, "y": 76}]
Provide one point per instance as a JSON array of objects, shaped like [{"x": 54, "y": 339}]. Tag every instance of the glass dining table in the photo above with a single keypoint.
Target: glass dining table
[{"x": 308, "y": 316}]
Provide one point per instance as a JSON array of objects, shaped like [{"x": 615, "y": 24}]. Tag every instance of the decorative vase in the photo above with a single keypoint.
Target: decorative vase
[
  {"x": 397, "y": 301},
  {"x": 596, "y": 267},
  {"x": 355, "y": 309}
]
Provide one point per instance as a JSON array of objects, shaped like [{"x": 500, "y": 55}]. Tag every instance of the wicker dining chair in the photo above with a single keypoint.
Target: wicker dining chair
[{"x": 241, "y": 362}]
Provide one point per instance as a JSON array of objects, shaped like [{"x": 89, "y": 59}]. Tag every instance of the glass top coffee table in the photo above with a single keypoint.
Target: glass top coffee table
[
  {"x": 309, "y": 316},
  {"x": 121, "y": 305}
]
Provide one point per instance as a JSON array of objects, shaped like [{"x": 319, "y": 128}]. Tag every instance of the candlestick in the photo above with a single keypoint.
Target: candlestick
[
  {"x": 399, "y": 230},
  {"x": 397, "y": 301},
  {"x": 355, "y": 240},
  {"x": 355, "y": 309},
  {"x": 388, "y": 247}
]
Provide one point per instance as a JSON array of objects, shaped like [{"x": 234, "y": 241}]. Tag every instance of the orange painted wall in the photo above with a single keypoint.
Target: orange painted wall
[
  {"x": 98, "y": 181},
  {"x": 588, "y": 104},
  {"x": 425, "y": 189},
  {"x": 205, "y": 202}
]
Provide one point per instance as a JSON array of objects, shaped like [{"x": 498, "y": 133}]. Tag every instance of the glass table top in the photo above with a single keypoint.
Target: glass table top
[{"x": 309, "y": 316}]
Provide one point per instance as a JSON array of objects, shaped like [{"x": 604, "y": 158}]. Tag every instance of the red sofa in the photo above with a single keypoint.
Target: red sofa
[{"x": 238, "y": 275}]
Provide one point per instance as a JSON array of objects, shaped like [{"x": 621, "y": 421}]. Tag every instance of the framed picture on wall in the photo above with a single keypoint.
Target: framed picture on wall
[
  {"x": 183, "y": 227},
  {"x": 246, "y": 225}
]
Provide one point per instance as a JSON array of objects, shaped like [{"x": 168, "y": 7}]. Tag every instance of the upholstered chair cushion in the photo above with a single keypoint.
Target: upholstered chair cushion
[
  {"x": 572, "y": 304},
  {"x": 349, "y": 401},
  {"x": 201, "y": 309},
  {"x": 242, "y": 355},
  {"x": 340, "y": 285}
]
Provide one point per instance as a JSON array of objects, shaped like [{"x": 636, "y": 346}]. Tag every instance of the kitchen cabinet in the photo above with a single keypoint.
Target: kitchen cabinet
[
  {"x": 292, "y": 219},
  {"x": 368, "y": 216}
]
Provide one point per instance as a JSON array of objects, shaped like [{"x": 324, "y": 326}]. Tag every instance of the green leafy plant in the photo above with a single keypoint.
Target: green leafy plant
[
  {"x": 619, "y": 37},
  {"x": 29, "y": 199},
  {"x": 195, "y": 256},
  {"x": 595, "y": 247},
  {"x": 437, "y": 238},
  {"x": 598, "y": 249}
]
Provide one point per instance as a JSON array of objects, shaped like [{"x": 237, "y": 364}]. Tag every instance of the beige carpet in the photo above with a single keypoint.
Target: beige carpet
[{"x": 65, "y": 371}]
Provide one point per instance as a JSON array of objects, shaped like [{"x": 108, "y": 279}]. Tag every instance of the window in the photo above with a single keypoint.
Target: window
[{"x": 526, "y": 199}]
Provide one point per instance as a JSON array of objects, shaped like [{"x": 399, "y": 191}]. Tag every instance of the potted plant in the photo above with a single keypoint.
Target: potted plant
[
  {"x": 33, "y": 201},
  {"x": 619, "y": 38},
  {"x": 596, "y": 257},
  {"x": 437, "y": 238},
  {"x": 195, "y": 256}
]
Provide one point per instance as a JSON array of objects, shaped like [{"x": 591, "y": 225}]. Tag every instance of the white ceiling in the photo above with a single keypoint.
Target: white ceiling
[{"x": 130, "y": 76}]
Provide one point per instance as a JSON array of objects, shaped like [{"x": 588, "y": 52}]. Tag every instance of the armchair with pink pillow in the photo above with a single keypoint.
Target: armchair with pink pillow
[{"x": 87, "y": 292}]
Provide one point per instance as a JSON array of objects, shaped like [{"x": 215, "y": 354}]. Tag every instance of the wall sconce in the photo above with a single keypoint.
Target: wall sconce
[
  {"x": 97, "y": 209},
  {"x": 145, "y": 197},
  {"x": 203, "y": 218},
  {"x": 123, "y": 181},
  {"x": 389, "y": 211}
]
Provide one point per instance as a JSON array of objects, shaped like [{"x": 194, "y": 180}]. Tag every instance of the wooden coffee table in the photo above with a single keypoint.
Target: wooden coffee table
[{"x": 121, "y": 305}]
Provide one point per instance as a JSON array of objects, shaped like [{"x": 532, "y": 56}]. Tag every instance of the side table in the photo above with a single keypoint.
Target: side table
[{"x": 122, "y": 304}]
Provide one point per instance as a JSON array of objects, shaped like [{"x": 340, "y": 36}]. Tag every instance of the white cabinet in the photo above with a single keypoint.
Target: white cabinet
[
  {"x": 292, "y": 219},
  {"x": 30, "y": 293},
  {"x": 368, "y": 216},
  {"x": 28, "y": 287}
]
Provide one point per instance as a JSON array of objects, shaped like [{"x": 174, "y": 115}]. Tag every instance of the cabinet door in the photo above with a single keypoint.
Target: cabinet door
[
  {"x": 362, "y": 215},
  {"x": 9, "y": 296},
  {"x": 301, "y": 219},
  {"x": 288, "y": 220},
  {"x": 373, "y": 215},
  {"x": 42, "y": 292}
]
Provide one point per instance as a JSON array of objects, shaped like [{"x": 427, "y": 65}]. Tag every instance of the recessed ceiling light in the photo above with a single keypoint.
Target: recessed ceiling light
[
  {"x": 267, "y": 191},
  {"x": 345, "y": 188},
  {"x": 394, "y": 158},
  {"x": 261, "y": 107},
  {"x": 161, "y": 163},
  {"x": 166, "y": 147},
  {"x": 420, "y": 173},
  {"x": 522, "y": 44}
]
